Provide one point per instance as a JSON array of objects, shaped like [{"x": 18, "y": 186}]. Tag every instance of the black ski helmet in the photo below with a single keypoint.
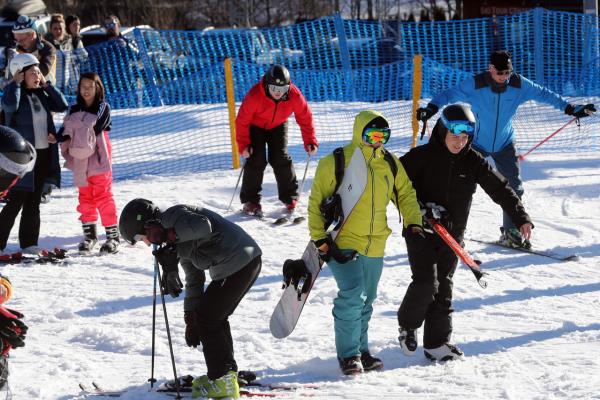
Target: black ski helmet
[
  {"x": 134, "y": 216},
  {"x": 277, "y": 75},
  {"x": 17, "y": 156},
  {"x": 458, "y": 113}
]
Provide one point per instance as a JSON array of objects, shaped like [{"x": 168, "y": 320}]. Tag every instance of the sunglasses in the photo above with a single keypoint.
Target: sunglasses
[
  {"x": 376, "y": 135},
  {"x": 458, "y": 127},
  {"x": 110, "y": 25},
  {"x": 504, "y": 72},
  {"x": 279, "y": 89}
]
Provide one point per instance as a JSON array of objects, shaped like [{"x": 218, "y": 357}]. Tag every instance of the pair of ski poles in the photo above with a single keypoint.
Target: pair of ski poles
[
  {"x": 242, "y": 171},
  {"x": 158, "y": 278}
]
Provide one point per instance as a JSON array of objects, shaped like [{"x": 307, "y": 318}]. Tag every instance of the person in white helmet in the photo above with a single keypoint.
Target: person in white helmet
[{"x": 27, "y": 103}]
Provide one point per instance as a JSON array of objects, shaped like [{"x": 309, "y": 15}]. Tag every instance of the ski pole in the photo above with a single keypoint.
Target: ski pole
[
  {"x": 236, "y": 185},
  {"x": 522, "y": 156},
  {"x": 164, "y": 305},
  {"x": 152, "y": 379}
]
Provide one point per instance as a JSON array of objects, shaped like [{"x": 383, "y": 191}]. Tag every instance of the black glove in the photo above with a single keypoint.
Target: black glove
[
  {"x": 192, "y": 334},
  {"x": 12, "y": 329},
  {"x": 424, "y": 113},
  {"x": 580, "y": 110},
  {"x": 293, "y": 272},
  {"x": 169, "y": 261},
  {"x": 334, "y": 252},
  {"x": 437, "y": 212},
  {"x": 415, "y": 238}
]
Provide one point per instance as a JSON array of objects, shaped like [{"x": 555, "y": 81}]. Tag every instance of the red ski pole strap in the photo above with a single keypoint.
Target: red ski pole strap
[{"x": 465, "y": 257}]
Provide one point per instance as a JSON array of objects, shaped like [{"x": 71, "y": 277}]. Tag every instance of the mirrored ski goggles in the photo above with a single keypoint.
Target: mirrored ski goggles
[
  {"x": 279, "y": 89},
  {"x": 376, "y": 135},
  {"x": 458, "y": 127}
]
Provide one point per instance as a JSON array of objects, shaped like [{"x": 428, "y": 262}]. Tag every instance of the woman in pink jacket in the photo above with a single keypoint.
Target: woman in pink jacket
[{"x": 87, "y": 152}]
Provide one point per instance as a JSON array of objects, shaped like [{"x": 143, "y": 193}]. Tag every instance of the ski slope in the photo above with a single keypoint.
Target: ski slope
[{"x": 534, "y": 333}]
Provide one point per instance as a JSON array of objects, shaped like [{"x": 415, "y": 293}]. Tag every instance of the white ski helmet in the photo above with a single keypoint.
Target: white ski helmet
[{"x": 20, "y": 61}]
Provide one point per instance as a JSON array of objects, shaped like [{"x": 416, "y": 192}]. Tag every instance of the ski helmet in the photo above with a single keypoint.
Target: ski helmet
[
  {"x": 21, "y": 61},
  {"x": 134, "y": 216},
  {"x": 17, "y": 157},
  {"x": 277, "y": 75},
  {"x": 458, "y": 118}
]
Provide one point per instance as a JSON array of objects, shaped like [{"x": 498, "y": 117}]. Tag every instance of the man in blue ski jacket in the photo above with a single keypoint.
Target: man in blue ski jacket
[{"x": 494, "y": 96}]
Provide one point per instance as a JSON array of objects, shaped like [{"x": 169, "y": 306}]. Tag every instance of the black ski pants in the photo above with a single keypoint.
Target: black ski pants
[
  {"x": 429, "y": 296},
  {"x": 28, "y": 203},
  {"x": 219, "y": 301},
  {"x": 279, "y": 159}
]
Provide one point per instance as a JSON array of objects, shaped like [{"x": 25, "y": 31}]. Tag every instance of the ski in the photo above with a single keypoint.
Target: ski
[
  {"x": 542, "y": 253},
  {"x": 289, "y": 218},
  {"x": 97, "y": 391},
  {"x": 465, "y": 257},
  {"x": 56, "y": 256}
]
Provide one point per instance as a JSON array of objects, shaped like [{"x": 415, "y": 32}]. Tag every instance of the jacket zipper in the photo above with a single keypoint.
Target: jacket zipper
[
  {"x": 372, "y": 203},
  {"x": 448, "y": 186},
  {"x": 496, "y": 127},
  {"x": 275, "y": 111}
]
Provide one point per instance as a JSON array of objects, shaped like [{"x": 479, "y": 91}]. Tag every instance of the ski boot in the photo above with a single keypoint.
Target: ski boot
[
  {"x": 253, "y": 209},
  {"x": 90, "y": 239},
  {"x": 225, "y": 386},
  {"x": 408, "y": 341},
  {"x": 111, "y": 246},
  {"x": 445, "y": 352}
]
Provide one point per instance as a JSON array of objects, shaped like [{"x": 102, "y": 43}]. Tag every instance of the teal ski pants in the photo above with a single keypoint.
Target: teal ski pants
[{"x": 357, "y": 283}]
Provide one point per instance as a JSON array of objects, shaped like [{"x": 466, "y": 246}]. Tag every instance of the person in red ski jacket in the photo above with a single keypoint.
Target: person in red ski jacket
[{"x": 262, "y": 120}]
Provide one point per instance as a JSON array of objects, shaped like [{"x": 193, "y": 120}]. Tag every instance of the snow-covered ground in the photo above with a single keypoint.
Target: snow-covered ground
[{"x": 534, "y": 333}]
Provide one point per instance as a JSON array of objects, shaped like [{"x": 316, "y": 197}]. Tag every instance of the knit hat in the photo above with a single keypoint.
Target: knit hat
[
  {"x": 23, "y": 24},
  {"x": 500, "y": 59},
  {"x": 377, "y": 122}
]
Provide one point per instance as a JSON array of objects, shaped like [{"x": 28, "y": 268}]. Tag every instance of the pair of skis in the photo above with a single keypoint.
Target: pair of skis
[{"x": 55, "y": 256}]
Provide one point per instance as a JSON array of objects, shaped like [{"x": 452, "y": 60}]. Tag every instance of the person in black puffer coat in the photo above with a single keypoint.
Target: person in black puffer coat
[{"x": 445, "y": 173}]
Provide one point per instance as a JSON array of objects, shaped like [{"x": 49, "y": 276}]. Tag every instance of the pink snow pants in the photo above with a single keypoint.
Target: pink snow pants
[{"x": 97, "y": 197}]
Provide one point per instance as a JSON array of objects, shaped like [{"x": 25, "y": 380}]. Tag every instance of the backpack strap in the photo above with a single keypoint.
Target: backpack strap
[
  {"x": 390, "y": 159},
  {"x": 338, "y": 156}
]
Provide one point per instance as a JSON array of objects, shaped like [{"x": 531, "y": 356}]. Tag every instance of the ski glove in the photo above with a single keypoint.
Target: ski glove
[
  {"x": 580, "y": 110},
  {"x": 12, "y": 329},
  {"x": 169, "y": 261},
  {"x": 192, "y": 334},
  {"x": 437, "y": 212},
  {"x": 415, "y": 238},
  {"x": 333, "y": 251},
  {"x": 293, "y": 272},
  {"x": 424, "y": 113},
  {"x": 311, "y": 148}
]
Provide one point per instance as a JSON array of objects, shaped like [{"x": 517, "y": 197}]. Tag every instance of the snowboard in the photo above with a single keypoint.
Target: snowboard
[{"x": 288, "y": 309}]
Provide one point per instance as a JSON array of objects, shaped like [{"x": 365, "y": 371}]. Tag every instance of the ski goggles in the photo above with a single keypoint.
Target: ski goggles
[
  {"x": 458, "y": 127},
  {"x": 279, "y": 89},
  {"x": 376, "y": 135}
]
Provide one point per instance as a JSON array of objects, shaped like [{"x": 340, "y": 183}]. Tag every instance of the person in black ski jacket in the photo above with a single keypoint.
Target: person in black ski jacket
[
  {"x": 445, "y": 173},
  {"x": 200, "y": 239}
]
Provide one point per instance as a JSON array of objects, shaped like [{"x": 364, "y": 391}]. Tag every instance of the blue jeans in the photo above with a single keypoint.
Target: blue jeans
[
  {"x": 507, "y": 163},
  {"x": 357, "y": 283}
]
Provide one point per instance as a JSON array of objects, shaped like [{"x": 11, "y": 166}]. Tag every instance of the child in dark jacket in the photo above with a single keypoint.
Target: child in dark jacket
[{"x": 87, "y": 151}]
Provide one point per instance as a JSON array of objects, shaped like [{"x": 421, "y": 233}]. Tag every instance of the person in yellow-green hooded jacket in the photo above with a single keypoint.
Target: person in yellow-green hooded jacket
[{"x": 355, "y": 257}]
